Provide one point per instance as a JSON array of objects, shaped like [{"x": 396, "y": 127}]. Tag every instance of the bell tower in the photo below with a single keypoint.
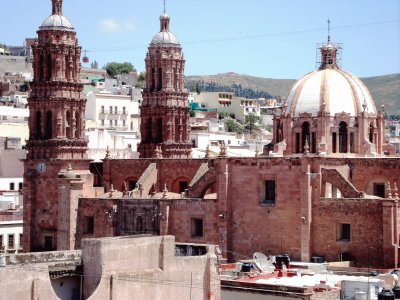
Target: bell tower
[
  {"x": 56, "y": 128},
  {"x": 165, "y": 111}
]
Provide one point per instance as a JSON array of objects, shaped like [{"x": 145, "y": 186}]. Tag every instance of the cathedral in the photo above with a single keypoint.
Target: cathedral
[{"x": 327, "y": 186}]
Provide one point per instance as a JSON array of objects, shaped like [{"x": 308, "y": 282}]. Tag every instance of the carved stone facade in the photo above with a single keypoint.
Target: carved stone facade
[
  {"x": 164, "y": 110},
  {"x": 56, "y": 131}
]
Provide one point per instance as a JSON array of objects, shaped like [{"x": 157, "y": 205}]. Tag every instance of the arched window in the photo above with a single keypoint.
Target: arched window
[
  {"x": 149, "y": 130},
  {"x": 78, "y": 125},
  {"x": 38, "y": 125},
  {"x": 305, "y": 135},
  {"x": 297, "y": 142},
  {"x": 351, "y": 142},
  {"x": 159, "y": 130},
  {"x": 153, "y": 80},
  {"x": 371, "y": 133},
  {"x": 334, "y": 142},
  {"x": 343, "y": 137},
  {"x": 49, "y": 126},
  {"x": 68, "y": 125},
  {"x": 160, "y": 78}
]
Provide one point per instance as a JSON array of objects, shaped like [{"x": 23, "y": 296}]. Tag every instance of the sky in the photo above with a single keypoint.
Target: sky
[{"x": 264, "y": 38}]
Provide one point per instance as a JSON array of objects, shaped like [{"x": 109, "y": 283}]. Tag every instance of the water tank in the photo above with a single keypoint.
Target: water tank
[{"x": 386, "y": 295}]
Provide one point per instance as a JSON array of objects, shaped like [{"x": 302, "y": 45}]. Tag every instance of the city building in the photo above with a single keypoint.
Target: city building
[{"x": 327, "y": 189}]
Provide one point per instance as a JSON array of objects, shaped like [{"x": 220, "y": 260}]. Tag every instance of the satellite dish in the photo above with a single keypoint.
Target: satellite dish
[
  {"x": 263, "y": 262},
  {"x": 389, "y": 280}
]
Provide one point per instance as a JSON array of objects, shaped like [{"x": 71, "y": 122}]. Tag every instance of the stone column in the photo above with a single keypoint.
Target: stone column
[
  {"x": 390, "y": 241},
  {"x": 305, "y": 210}
]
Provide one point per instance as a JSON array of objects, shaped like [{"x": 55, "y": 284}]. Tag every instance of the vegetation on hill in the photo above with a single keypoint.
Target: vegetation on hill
[
  {"x": 384, "y": 89},
  {"x": 113, "y": 68}
]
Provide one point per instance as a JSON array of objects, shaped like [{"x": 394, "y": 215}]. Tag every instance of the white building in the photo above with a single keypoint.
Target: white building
[
  {"x": 10, "y": 114},
  {"x": 11, "y": 231},
  {"x": 228, "y": 103}
]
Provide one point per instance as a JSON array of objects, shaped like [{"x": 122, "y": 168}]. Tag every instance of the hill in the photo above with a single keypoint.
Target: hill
[{"x": 384, "y": 89}]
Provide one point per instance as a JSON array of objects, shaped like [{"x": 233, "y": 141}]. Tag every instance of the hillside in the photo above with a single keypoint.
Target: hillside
[{"x": 384, "y": 89}]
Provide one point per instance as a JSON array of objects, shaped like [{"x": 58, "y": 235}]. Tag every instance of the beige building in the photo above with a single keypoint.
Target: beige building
[
  {"x": 229, "y": 103},
  {"x": 115, "y": 268}
]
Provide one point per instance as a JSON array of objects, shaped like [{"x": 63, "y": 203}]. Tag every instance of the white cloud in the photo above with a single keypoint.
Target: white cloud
[{"x": 112, "y": 26}]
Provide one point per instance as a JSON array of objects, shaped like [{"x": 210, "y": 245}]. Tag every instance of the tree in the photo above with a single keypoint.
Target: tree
[
  {"x": 141, "y": 80},
  {"x": 250, "y": 122},
  {"x": 233, "y": 126},
  {"x": 197, "y": 88},
  {"x": 113, "y": 68}
]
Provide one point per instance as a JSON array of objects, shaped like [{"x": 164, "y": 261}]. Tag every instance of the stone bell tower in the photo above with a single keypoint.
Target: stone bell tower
[
  {"x": 56, "y": 127},
  {"x": 164, "y": 111}
]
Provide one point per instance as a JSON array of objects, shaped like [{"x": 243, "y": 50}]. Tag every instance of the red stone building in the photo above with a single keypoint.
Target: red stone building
[
  {"x": 164, "y": 112},
  {"x": 339, "y": 202}
]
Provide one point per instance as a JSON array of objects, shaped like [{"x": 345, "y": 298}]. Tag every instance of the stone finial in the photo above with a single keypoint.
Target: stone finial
[
  {"x": 306, "y": 148},
  {"x": 165, "y": 191},
  {"x": 208, "y": 152},
  {"x": 107, "y": 153},
  {"x": 364, "y": 106},
  {"x": 388, "y": 191},
  {"x": 323, "y": 107},
  {"x": 124, "y": 189},
  {"x": 111, "y": 190},
  {"x": 69, "y": 168},
  {"x": 222, "y": 151},
  {"x": 383, "y": 109},
  {"x": 318, "y": 149},
  {"x": 395, "y": 191},
  {"x": 158, "y": 152}
]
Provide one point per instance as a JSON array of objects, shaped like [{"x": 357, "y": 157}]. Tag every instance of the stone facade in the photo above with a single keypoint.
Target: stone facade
[
  {"x": 164, "y": 111},
  {"x": 56, "y": 129}
]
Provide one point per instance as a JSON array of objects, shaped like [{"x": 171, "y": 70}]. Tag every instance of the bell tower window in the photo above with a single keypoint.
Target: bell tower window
[
  {"x": 38, "y": 125},
  {"x": 305, "y": 134},
  {"x": 49, "y": 126}
]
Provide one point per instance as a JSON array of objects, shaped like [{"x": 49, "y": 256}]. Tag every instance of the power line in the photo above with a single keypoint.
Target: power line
[{"x": 247, "y": 37}]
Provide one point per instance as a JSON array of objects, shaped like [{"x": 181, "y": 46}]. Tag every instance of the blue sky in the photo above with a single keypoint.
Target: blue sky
[{"x": 274, "y": 39}]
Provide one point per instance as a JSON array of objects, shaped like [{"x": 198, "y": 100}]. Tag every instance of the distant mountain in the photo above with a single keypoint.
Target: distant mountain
[{"x": 384, "y": 89}]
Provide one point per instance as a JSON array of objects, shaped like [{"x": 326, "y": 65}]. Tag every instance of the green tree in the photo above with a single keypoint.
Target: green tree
[
  {"x": 251, "y": 123},
  {"x": 233, "y": 126},
  {"x": 141, "y": 80},
  {"x": 113, "y": 68}
]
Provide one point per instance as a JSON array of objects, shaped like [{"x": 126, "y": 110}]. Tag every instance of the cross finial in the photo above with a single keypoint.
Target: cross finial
[
  {"x": 164, "y": 6},
  {"x": 329, "y": 31}
]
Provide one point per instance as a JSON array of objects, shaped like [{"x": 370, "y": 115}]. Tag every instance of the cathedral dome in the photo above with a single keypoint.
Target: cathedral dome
[
  {"x": 56, "y": 22},
  {"x": 164, "y": 37},
  {"x": 337, "y": 90}
]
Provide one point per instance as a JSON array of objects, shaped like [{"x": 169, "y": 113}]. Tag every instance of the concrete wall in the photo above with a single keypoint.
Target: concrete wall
[{"x": 147, "y": 268}]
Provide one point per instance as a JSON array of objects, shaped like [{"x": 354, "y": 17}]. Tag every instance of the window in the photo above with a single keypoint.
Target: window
[
  {"x": 1, "y": 243},
  {"x": 334, "y": 142},
  {"x": 123, "y": 123},
  {"x": 115, "y": 122},
  {"x": 379, "y": 189},
  {"x": 297, "y": 142},
  {"x": 102, "y": 122},
  {"x": 20, "y": 240},
  {"x": 342, "y": 137},
  {"x": 124, "y": 110},
  {"x": 12, "y": 186},
  {"x": 115, "y": 110},
  {"x": 305, "y": 135},
  {"x": 196, "y": 227},
  {"x": 343, "y": 232},
  {"x": 102, "y": 109},
  {"x": 89, "y": 225},
  {"x": 10, "y": 241},
  {"x": 111, "y": 111},
  {"x": 110, "y": 122},
  {"x": 269, "y": 192},
  {"x": 20, "y": 186}
]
